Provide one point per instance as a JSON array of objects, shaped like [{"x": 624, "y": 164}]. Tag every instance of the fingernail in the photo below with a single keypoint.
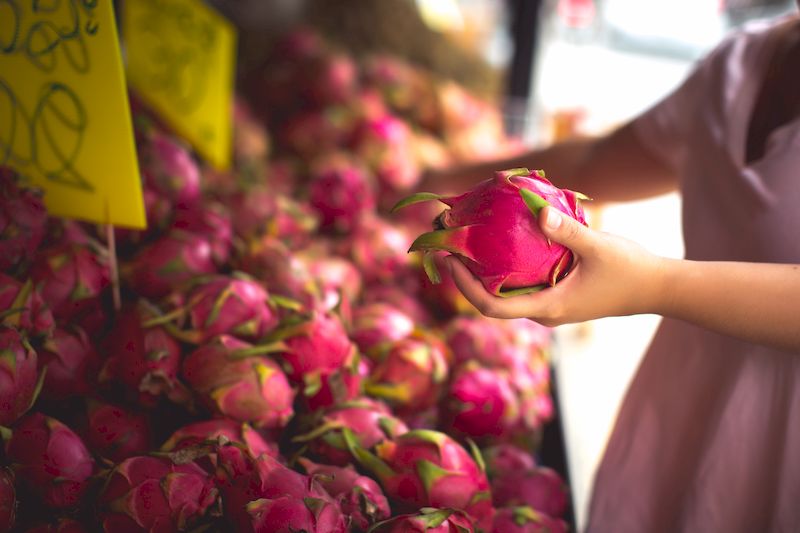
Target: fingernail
[{"x": 552, "y": 219}]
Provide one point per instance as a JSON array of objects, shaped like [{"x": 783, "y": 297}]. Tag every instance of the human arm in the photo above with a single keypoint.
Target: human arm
[
  {"x": 610, "y": 168},
  {"x": 614, "y": 277}
]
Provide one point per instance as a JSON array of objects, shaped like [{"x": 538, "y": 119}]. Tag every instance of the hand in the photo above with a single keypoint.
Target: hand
[{"x": 611, "y": 276}]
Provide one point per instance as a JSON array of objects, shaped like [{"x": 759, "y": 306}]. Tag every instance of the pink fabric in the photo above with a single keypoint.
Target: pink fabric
[{"x": 708, "y": 436}]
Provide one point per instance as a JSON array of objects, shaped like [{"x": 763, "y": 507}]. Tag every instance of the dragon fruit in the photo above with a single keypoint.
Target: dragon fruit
[
  {"x": 19, "y": 380},
  {"x": 236, "y": 380},
  {"x": 379, "y": 250},
  {"x": 376, "y": 324},
  {"x": 169, "y": 168},
  {"x": 370, "y": 422},
  {"x": 258, "y": 211},
  {"x": 153, "y": 494},
  {"x": 410, "y": 373},
  {"x": 22, "y": 221},
  {"x": 476, "y": 339},
  {"x": 50, "y": 460},
  {"x": 243, "y": 479},
  {"x": 338, "y": 279},
  {"x": 235, "y": 305},
  {"x": 386, "y": 145},
  {"x": 287, "y": 515},
  {"x": 329, "y": 78},
  {"x": 360, "y": 498},
  {"x": 233, "y": 431},
  {"x": 427, "y": 520},
  {"x": 424, "y": 468},
  {"x": 8, "y": 500},
  {"x": 23, "y": 307},
  {"x": 493, "y": 230},
  {"x": 70, "y": 279},
  {"x": 282, "y": 272},
  {"x": 211, "y": 220},
  {"x": 171, "y": 261},
  {"x": 540, "y": 488},
  {"x": 341, "y": 193},
  {"x": 143, "y": 358},
  {"x": 401, "y": 298},
  {"x": 116, "y": 433},
  {"x": 335, "y": 386},
  {"x": 315, "y": 345},
  {"x": 308, "y": 133},
  {"x": 481, "y": 403},
  {"x": 60, "y": 525},
  {"x": 526, "y": 520},
  {"x": 504, "y": 459},
  {"x": 72, "y": 364}
]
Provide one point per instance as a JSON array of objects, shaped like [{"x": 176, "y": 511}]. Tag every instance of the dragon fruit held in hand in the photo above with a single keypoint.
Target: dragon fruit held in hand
[
  {"x": 50, "y": 460},
  {"x": 153, "y": 494},
  {"x": 19, "y": 379},
  {"x": 493, "y": 230}
]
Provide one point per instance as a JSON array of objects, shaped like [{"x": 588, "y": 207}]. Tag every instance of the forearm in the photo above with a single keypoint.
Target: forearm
[
  {"x": 611, "y": 168},
  {"x": 756, "y": 302}
]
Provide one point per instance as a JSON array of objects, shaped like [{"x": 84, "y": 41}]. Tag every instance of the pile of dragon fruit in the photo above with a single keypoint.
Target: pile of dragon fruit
[{"x": 279, "y": 362}]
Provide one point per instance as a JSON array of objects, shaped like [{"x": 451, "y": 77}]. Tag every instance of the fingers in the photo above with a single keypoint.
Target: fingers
[
  {"x": 564, "y": 230},
  {"x": 533, "y": 305}
]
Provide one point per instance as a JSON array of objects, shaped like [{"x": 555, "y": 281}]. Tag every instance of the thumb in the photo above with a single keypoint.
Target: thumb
[{"x": 564, "y": 229}]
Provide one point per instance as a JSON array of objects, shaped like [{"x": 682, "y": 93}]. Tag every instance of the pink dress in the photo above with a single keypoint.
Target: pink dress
[{"x": 708, "y": 437}]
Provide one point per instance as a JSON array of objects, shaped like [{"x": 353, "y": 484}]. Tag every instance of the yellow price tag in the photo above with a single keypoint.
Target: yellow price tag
[
  {"x": 64, "y": 116},
  {"x": 180, "y": 57}
]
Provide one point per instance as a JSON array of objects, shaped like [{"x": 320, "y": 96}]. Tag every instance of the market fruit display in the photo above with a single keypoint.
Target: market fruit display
[{"x": 278, "y": 361}]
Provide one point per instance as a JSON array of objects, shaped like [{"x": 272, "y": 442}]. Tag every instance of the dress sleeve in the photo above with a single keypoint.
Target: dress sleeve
[{"x": 664, "y": 129}]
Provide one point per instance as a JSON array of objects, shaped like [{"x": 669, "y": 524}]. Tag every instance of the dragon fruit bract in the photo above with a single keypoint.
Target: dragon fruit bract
[
  {"x": 493, "y": 230},
  {"x": 50, "y": 459},
  {"x": 23, "y": 307},
  {"x": 153, "y": 494},
  {"x": 19, "y": 379},
  {"x": 427, "y": 520},
  {"x": 526, "y": 520},
  {"x": 213, "y": 429}
]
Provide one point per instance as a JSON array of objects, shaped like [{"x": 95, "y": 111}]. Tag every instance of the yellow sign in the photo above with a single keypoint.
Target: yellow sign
[
  {"x": 64, "y": 116},
  {"x": 181, "y": 60}
]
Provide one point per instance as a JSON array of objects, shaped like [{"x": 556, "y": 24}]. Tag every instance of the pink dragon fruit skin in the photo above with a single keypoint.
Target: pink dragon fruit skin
[
  {"x": 61, "y": 525},
  {"x": 153, "y": 494},
  {"x": 34, "y": 316},
  {"x": 242, "y": 479},
  {"x": 427, "y": 520},
  {"x": 379, "y": 249},
  {"x": 19, "y": 379},
  {"x": 22, "y": 221},
  {"x": 235, "y": 380},
  {"x": 286, "y": 515},
  {"x": 8, "y": 500},
  {"x": 493, "y": 230},
  {"x": 144, "y": 360},
  {"x": 171, "y": 261},
  {"x": 50, "y": 460},
  {"x": 424, "y": 468},
  {"x": 541, "y": 488},
  {"x": 209, "y": 219},
  {"x": 476, "y": 339},
  {"x": 72, "y": 364},
  {"x": 335, "y": 386},
  {"x": 377, "y": 324},
  {"x": 236, "y": 305},
  {"x": 316, "y": 345},
  {"x": 386, "y": 145},
  {"x": 116, "y": 433},
  {"x": 169, "y": 168},
  {"x": 213, "y": 429},
  {"x": 341, "y": 193},
  {"x": 370, "y": 421},
  {"x": 70, "y": 278},
  {"x": 481, "y": 403},
  {"x": 503, "y": 459},
  {"x": 338, "y": 279},
  {"x": 360, "y": 497},
  {"x": 410, "y": 373},
  {"x": 526, "y": 520}
]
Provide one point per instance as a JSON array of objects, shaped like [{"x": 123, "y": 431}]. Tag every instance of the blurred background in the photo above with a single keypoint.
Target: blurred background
[{"x": 556, "y": 69}]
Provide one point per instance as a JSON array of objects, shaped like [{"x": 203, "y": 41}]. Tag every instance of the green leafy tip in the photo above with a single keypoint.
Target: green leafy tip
[
  {"x": 534, "y": 202},
  {"x": 415, "y": 199}
]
